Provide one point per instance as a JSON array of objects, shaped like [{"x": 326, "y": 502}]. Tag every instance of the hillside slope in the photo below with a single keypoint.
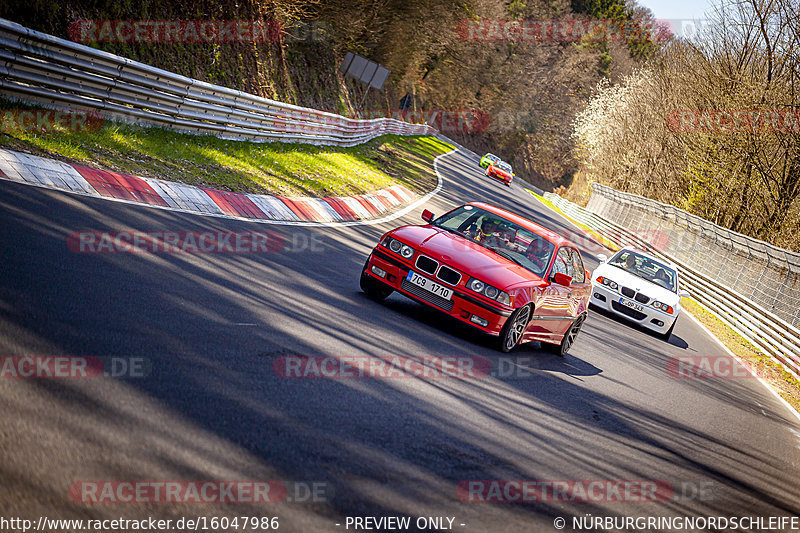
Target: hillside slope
[{"x": 516, "y": 97}]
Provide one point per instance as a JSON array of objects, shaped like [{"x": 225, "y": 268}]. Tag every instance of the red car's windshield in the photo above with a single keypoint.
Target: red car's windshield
[{"x": 500, "y": 235}]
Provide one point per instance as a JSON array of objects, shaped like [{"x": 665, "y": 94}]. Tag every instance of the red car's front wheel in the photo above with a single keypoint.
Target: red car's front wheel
[
  {"x": 514, "y": 328},
  {"x": 373, "y": 288}
]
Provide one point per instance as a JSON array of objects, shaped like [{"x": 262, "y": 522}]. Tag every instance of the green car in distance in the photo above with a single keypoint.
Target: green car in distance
[{"x": 489, "y": 159}]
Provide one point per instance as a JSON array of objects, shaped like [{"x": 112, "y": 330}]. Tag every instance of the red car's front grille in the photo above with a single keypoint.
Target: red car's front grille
[
  {"x": 426, "y": 264},
  {"x": 428, "y": 296},
  {"x": 448, "y": 275}
]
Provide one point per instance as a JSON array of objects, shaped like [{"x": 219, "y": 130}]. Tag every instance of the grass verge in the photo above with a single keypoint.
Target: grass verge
[
  {"x": 781, "y": 381},
  {"x": 289, "y": 169}
]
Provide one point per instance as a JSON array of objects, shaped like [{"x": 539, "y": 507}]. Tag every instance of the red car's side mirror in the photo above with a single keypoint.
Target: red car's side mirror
[
  {"x": 427, "y": 216},
  {"x": 562, "y": 279}
]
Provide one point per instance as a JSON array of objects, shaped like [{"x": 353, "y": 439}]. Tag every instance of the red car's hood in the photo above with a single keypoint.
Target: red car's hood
[{"x": 465, "y": 255}]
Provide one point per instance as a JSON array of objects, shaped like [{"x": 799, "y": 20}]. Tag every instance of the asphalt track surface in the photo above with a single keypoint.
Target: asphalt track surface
[{"x": 210, "y": 327}]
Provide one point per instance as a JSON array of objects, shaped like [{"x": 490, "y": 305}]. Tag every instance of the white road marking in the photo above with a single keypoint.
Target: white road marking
[{"x": 727, "y": 350}]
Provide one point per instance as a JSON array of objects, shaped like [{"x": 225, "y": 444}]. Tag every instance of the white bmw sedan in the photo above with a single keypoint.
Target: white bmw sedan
[{"x": 640, "y": 288}]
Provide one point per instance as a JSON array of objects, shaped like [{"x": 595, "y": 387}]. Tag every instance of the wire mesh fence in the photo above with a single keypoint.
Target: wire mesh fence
[
  {"x": 694, "y": 244},
  {"x": 765, "y": 274}
]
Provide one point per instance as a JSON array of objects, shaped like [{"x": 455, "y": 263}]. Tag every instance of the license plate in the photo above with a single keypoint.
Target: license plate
[
  {"x": 628, "y": 303},
  {"x": 429, "y": 285}
]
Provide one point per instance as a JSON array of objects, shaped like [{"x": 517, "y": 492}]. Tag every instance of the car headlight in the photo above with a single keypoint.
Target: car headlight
[
  {"x": 493, "y": 293},
  {"x": 607, "y": 282},
  {"x": 662, "y": 306},
  {"x": 398, "y": 247},
  {"x": 476, "y": 285}
]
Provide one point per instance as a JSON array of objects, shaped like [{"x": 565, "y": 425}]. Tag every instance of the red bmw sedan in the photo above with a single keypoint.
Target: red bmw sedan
[{"x": 489, "y": 268}]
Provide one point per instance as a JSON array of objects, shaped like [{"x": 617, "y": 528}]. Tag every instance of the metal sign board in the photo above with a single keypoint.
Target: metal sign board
[
  {"x": 369, "y": 71},
  {"x": 357, "y": 66},
  {"x": 365, "y": 71},
  {"x": 348, "y": 58},
  {"x": 381, "y": 74}
]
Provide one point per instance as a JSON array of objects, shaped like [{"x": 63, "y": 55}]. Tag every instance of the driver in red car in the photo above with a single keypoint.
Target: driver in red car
[{"x": 490, "y": 233}]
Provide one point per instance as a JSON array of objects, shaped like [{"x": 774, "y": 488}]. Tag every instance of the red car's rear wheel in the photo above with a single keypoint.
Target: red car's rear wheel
[{"x": 569, "y": 338}]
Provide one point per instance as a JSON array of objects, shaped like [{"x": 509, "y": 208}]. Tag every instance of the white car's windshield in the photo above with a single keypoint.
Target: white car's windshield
[
  {"x": 646, "y": 268},
  {"x": 500, "y": 235}
]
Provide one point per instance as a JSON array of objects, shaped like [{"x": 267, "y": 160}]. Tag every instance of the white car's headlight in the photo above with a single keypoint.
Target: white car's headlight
[
  {"x": 607, "y": 282},
  {"x": 662, "y": 307}
]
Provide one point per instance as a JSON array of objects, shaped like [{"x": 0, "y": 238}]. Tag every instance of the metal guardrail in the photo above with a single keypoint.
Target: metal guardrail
[
  {"x": 53, "y": 72},
  {"x": 770, "y": 333}
]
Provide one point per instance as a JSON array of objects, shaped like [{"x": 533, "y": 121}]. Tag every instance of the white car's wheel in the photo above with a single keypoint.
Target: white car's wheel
[{"x": 666, "y": 335}]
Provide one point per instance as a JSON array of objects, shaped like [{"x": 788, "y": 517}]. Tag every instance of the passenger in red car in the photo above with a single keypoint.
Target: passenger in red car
[{"x": 538, "y": 253}]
